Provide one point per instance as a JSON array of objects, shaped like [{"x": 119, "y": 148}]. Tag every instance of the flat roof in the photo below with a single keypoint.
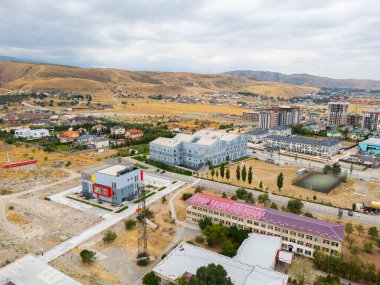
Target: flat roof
[
  {"x": 187, "y": 258},
  {"x": 328, "y": 142},
  {"x": 375, "y": 141},
  {"x": 29, "y": 270},
  {"x": 114, "y": 170},
  {"x": 291, "y": 221},
  {"x": 280, "y": 128},
  {"x": 259, "y": 250},
  {"x": 257, "y": 132}
]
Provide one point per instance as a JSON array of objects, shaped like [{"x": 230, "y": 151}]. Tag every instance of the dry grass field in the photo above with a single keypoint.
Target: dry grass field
[
  {"x": 30, "y": 76},
  {"x": 342, "y": 196}
]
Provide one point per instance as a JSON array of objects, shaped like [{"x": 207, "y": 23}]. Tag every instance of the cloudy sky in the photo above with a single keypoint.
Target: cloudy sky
[{"x": 339, "y": 39}]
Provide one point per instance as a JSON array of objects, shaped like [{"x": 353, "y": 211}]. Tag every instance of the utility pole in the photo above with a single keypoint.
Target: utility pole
[{"x": 142, "y": 242}]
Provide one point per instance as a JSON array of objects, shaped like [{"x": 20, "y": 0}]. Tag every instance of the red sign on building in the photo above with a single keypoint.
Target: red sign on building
[{"x": 101, "y": 190}]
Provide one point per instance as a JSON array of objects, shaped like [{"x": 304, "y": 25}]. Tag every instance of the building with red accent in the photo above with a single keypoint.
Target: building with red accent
[
  {"x": 133, "y": 134},
  {"x": 114, "y": 184}
]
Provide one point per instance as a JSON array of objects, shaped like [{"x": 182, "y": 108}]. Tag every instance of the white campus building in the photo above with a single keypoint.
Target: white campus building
[
  {"x": 254, "y": 263},
  {"x": 27, "y": 133},
  {"x": 325, "y": 148},
  {"x": 204, "y": 147}
]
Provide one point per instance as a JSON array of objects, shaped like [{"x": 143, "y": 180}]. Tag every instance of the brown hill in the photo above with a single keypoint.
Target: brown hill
[{"x": 23, "y": 76}]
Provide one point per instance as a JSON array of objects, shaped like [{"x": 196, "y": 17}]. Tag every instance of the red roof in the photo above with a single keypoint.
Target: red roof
[{"x": 134, "y": 131}]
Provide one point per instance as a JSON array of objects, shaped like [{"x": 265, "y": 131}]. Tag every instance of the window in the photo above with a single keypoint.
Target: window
[
  {"x": 299, "y": 250},
  {"x": 285, "y": 231},
  {"x": 277, "y": 229},
  {"x": 256, "y": 223},
  {"x": 334, "y": 243},
  {"x": 301, "y": 235},
  {"x": 317, "y": 239},
  {"x": 308, "y": 252},
  {"x": 270, "y": 227},
  {"x": 293, "y": 233},
  {"x": 309, "y": 245},
  {"x": 309, "y": 237},
  {"x": 249, "y": 222},
  {"x": 264, "y": 226},
  {"x": 292, "y": 240},
  {"x": 317, "y": 247},
  {"x": 325, "y": 241},
  {"x": 300, "y": 242},
  {"x": 285, "y": 238}
]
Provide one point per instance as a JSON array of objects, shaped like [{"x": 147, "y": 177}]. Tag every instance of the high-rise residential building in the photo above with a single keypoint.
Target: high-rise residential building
[
  {"x": 371, "y": 120},
  {"x": 337, "y": 113},
  {"x": 251, "y": 116},
  {"x": 354, "y": 119},
  {"x": 279, "y": 116}
]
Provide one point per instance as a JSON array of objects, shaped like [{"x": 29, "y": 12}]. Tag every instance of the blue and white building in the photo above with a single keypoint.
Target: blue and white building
[
  {"x": 114, "y": 184},
  {"x": 202, "y": 148},
  {"x": 370, "y": 146}
]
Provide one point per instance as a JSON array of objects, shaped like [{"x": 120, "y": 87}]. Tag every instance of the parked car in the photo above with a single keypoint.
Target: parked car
[
  {"x": 157, "y": 170},
  {"x": 163, "y": 171},
  {"x": 350, "y": 213}
]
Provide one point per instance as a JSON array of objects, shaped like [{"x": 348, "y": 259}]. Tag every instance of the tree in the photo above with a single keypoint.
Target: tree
[
  {"x": 198, "y": 189},
  {"x": 250, "y": 175},
  {"x": 295, "y": 206},
  {"x": 274, "y": 206},
  {"x": 367, "y": 246},
  {"x": 88, "y": 256},
  {"x": 353, "y": 206},
  {"x": 261, "y": 185},
  {"x": 186, "y": 196},
  {"x": 224, "y": 195},
  {"x": 327, "y": 169},
  {"x": 204, "y": 223},
  {"x": 373, "y": 232},
  {"x": 217, "y": 174},
  {"x": 336, "y": 168},
  {"x": 241, "y": 193},
  {"x": 250, "y": 199},
  {"x": 228, "y": 248},
  {"x": 238, "y": 173},
  {"x": 263, "y": 198},
  {"x": 301, "y": 271},
  {"x": 129, "y": 224},
  {"x": 228, "y": 174},
  {"x": 211, "y": 274},
  {"x": 280, "y": 181},
  {"x": 349, "y": 229},
  {"x": 150, "y": 279},
  {"x": 314, "y": 197},
  {"x": 244, "y": 173},
  {"x": 351, "y": 169},
  {"x": 222, "y": 170},
  {"x": 215, "y": 234},
  {"x": 109, "y": 237},
  {"x": 212, "y": 173},
  {"x": 163, "y": 199},
  {"x": 237, "y": 236},
  {"x": 360, "y": 229},
  {"x": 327, "y": 280}
]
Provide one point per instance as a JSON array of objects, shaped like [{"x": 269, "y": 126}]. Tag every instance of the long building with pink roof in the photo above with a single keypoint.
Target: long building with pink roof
[{"x": 300, "y": 234}]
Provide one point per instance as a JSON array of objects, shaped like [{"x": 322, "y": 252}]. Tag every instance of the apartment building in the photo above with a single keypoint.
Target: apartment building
[
  {"x": 113, "y": 184},
  {"x": 354, "y": 119},
  {"x": 279, "y": 116},
  {"x": 118, "y": 130},
  {"x": 371, "y": 120},
  {"x": 337, "y": 113},
  {"x": 325, "y": 148},
  {"x": 299, "y": 234},
  {"x": 251, "y": 116},
  {"x": 202, "y": 148}
]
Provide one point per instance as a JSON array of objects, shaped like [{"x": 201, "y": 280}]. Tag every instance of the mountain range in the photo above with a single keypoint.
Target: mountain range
[{"x": 306, "y": 79}]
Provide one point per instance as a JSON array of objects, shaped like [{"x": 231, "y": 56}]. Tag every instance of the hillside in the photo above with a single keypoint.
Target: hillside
[
  {"x": 47, "y": 77},
  {"x": 306, "y": 79}
]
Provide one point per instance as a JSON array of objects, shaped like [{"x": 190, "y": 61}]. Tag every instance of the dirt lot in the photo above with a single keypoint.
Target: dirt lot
[
  {"x": 30, "y": 224},
  {"x": 342, "y": 196},
  {"x": 123, "y": 270},
  {"x": 51, "y": 166}
]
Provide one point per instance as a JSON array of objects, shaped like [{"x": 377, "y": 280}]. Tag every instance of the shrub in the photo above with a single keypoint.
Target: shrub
[
  {"x": 129, "y": 224},
  {"x": 186, "y": 196},
  {"x": 295, "y": 206},
  {"x": 109, "y": 237},
  {"x": 150, "y": 279},
  {"x": 228, "y": 248},
  {"x": 204, "y": 223},
  {"x": 198, "y": 189},
  {"x": 368, "y": 247},
  {"x": 200, "y": 239},
  {"x": 87, "y": 256}
]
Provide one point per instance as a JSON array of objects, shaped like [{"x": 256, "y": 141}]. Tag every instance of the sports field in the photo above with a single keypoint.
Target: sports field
[{"x": 319, "y": 182}]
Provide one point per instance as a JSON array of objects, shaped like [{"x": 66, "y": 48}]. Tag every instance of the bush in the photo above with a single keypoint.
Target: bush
[
  {"x": 129, "y": 224},
  {"x": 150, "y": 279},
  {"x": 368, "y": 247},
  {"x": 228, "y": 248},
  {"x": 198, "y": 189},
  {"x": 295, "y": 206},
  {"x": 308, "y": 214},
  {"x": 186, "y": 196},
  {"x": 109, "y": 237},
  {"x": 87, "y": 256}
]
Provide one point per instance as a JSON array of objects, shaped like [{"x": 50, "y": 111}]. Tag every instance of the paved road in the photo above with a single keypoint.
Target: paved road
[
  {"x": 73, "y": 242},
  {"x": 308, "y": 206}
]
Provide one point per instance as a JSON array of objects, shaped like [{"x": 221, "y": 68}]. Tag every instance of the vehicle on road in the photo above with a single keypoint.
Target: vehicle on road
[
  {"x": 340, "y": 213},
  {"x": 350, "y": 213},
  {"x": 163, "y": 171},
  {"x": 157, "y": 170}
]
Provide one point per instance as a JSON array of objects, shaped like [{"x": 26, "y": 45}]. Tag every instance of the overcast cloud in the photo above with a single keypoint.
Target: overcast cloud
[{"x": 339, "y": 39}]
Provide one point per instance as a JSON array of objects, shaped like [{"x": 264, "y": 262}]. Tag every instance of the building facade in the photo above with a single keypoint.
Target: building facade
[
  {"x": 118, "y": 130},
  {"x": 299, "y": 234},
  {"x": 371, "y": 120},
  {"x": 279, "y": 116},
  {"x": 27, "y": 133},
  {"x": 325, "y": 148},
  {"x": 251, "y": 116},
  {"x": 133, "y": 134},
  {"x": 280, "y": 131},
  {"x": 113, "y": 184},
  {"x": 354, "y": 119},
  {"x": 202, "y": 148},
  {"x": 337, "y": 113}
]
